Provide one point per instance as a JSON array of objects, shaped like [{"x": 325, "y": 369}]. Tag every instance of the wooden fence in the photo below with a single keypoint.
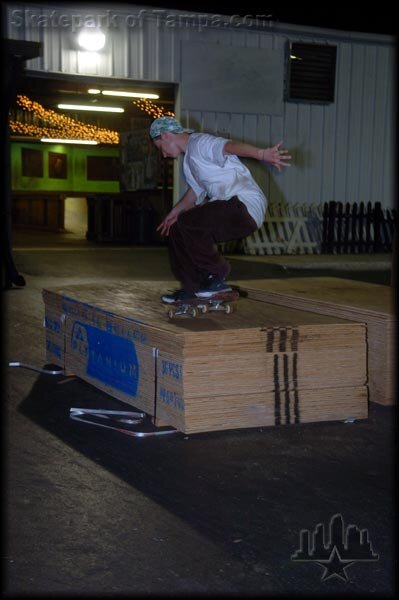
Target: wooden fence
[
  {"x": 288, "y": 229},
  {"x": 357, "y": 229},
  {"x": 332, "y": 228}
]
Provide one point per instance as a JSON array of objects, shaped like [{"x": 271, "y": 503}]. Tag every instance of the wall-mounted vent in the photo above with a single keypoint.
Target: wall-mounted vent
[{"x": 311, "y": 72}]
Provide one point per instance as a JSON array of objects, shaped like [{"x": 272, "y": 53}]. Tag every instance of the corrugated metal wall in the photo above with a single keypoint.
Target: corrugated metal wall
[{"x": 342, "y": 151}]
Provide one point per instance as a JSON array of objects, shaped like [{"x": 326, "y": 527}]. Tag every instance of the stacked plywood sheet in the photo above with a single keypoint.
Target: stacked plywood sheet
[
  {"x": 262, "y": 365},
  {"x": 369, "y": 303}
]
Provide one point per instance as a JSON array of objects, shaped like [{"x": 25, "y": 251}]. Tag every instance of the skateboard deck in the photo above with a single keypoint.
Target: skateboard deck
[{"x": 192, "y": 307}]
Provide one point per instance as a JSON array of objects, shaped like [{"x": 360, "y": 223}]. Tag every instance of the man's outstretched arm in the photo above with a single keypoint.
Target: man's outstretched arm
[{"x": 274, "y": 156}]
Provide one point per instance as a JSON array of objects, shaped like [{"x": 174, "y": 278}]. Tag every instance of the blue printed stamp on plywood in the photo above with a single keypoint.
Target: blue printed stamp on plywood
[
  {"x": 108, "y": 357},
  {"x": 53, "y": 348}
]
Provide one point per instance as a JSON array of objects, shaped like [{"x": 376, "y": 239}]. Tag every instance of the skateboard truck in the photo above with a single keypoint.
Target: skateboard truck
[{"x": 217, "y": 303}]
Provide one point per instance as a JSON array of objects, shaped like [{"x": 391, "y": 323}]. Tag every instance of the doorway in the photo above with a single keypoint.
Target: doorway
[{"x": 75, "y": 216}]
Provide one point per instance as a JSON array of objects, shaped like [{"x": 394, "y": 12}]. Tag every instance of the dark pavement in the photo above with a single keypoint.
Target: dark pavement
[{"x": 92, "y": 511}]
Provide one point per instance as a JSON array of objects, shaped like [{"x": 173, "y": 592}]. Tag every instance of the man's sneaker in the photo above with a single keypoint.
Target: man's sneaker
[
  {"x": 177, "y": 296},
  {"x": 214, "y": 285}
]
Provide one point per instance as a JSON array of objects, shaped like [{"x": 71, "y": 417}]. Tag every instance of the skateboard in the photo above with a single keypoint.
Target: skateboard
[{"x": 191, "y": 307}]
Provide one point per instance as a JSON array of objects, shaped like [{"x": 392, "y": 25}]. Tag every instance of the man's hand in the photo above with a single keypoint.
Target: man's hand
[
  {"x": 167, "y": 223},
  {"x": 185, "y": 203},
  {"x": 275, "y": 156}
]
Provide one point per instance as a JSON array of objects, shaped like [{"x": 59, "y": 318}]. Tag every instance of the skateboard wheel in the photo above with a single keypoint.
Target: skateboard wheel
[
  {"x": 193, "y": 312},
  {"x": 203, "y": 308},
  {"x": 171, "y": 313},
  {"x": 228, "y": 309}
]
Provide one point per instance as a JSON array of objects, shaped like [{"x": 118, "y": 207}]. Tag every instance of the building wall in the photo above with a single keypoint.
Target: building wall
[
  {"x": 342, "y": 151},
  {"x": 76, "y": 172}
]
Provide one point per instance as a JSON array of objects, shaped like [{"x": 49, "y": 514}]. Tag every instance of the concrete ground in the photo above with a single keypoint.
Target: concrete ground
[{"x": 91, "y": 511}]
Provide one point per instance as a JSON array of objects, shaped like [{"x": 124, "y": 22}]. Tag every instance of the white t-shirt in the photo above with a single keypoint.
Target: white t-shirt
[{"x": 210, "y": 172}]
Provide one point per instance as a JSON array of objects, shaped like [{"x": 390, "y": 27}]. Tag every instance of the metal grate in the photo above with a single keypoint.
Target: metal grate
[{"x": 311, "y": 72}]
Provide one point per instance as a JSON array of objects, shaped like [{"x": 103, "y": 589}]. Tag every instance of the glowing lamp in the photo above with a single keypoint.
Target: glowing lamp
[{"x": 91, "y": 39}]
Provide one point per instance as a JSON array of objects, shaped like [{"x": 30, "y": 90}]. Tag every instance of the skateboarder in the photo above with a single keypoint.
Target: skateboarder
[{"x": 222, "y": 202}]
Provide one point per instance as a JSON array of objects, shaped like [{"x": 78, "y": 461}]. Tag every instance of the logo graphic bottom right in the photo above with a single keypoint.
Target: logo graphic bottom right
[{"x": 345, "y": 546}]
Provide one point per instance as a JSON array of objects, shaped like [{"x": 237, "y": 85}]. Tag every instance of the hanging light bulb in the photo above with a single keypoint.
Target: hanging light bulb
[{"x": 91, "y": 39}]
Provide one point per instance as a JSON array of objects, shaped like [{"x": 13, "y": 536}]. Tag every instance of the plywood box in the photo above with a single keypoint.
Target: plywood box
[
  {"x": 263, "y": 365},
  {"x": 368, "y": 303}
]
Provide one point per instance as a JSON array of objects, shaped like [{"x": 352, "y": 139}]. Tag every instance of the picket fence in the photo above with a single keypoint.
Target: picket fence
[
  {"x": 329, "y": 228},
  {"x": 357, "y": 229},
  {"x": 288, "y": 229}
]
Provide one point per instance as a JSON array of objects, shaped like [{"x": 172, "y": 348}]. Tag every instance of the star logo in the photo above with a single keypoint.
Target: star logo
[
  {"x": 335, "y": 566},
  {"x": 345, "y": 547}
]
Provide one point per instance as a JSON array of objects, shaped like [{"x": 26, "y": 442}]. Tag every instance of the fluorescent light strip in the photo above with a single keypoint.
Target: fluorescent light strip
[
  {"x": 93, "y": 108},
  {"x": 129, "y": 94},
  {"x": 68, "y": 141}
]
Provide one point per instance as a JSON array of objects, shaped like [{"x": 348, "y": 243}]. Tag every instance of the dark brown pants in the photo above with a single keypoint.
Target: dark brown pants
[{"x": 193, "y": 238}]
